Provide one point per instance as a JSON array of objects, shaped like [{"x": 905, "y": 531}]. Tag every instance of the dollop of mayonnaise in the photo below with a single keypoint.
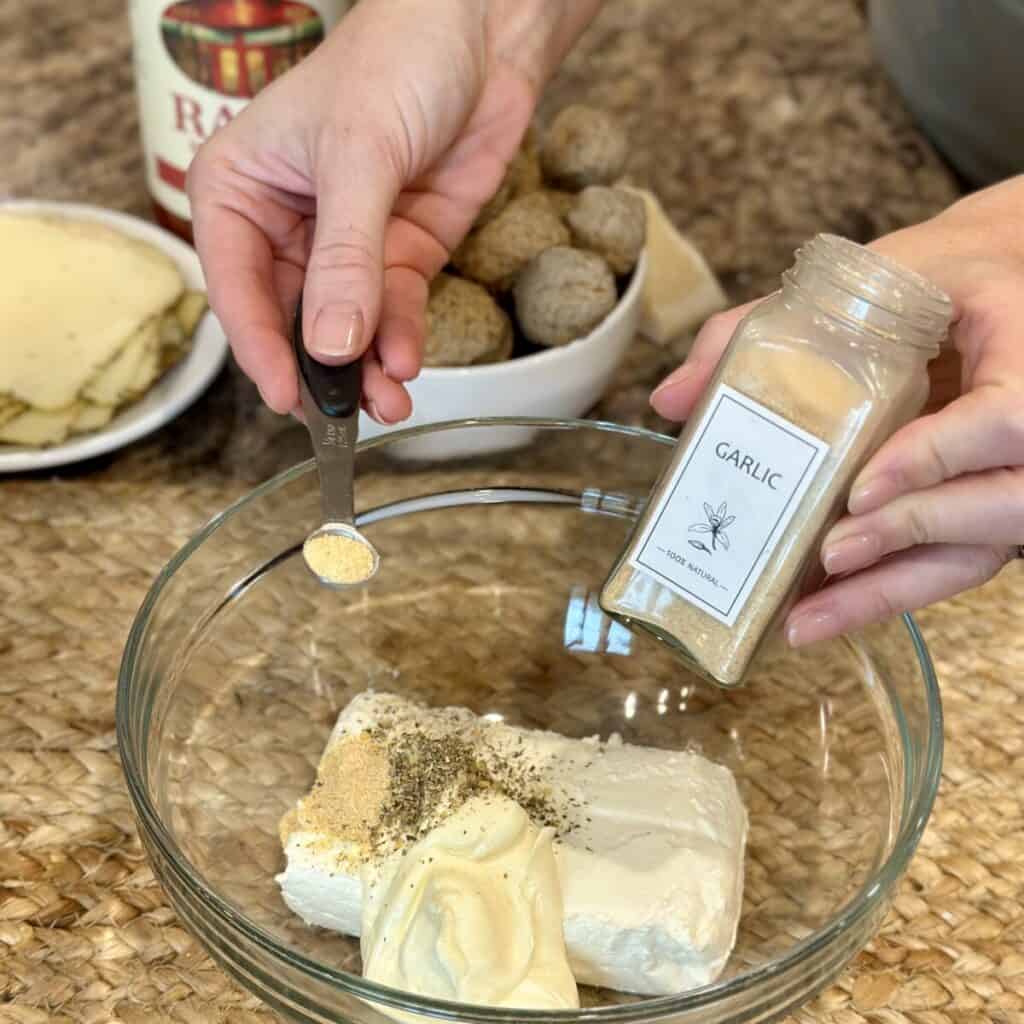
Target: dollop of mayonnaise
[{"x": 472, "y": 913}]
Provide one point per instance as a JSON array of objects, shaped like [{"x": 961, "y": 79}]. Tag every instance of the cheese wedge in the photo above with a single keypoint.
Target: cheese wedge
[
  {"x": 680, "y": 291},
  {"x": 72, "y": 294}
]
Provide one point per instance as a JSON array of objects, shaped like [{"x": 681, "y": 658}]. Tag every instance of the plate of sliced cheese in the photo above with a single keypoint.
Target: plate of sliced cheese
[{"x": 105, "y": 334}]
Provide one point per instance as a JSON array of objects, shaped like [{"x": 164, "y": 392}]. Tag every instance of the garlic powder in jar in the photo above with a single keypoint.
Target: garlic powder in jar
[{"x": 813, "y": 381}]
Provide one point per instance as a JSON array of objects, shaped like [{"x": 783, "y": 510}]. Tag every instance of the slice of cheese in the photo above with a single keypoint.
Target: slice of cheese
[
  {"x": 189, "y": 311},
  {"x": 91, "y": 417},
  {"x": 681, "y": 291},
  {"x": 115, "y": 381},
  {"x": 172, "y": 334},
  {"x": 72, "y": 293},
  {"x": 9, "y": 409},
  {"x": 149, "y": 367},
  {"x": 39, "y": 427}
]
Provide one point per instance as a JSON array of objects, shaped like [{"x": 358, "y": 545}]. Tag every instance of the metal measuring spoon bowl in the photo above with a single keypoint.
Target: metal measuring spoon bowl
[
  {"x": 336, "y": 552},
  {"x": 340, "y": 556}
]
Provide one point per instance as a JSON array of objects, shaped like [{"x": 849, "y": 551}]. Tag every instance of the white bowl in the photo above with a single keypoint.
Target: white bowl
[{"x": 558, "y": 383}]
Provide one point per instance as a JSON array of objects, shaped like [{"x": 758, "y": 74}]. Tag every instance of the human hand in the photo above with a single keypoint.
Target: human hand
[
  {"x": 353, "y": 177},
  {"x": 940, "y": 507}
]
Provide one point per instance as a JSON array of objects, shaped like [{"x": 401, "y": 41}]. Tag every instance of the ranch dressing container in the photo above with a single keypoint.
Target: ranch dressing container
[
  {"x": 812, "y": 382},
  {"x": 197, "y": 64}
]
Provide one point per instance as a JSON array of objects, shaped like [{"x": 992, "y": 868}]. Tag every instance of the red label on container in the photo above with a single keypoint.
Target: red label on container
[
  {"x": 173, "y": 176},
  {"x": 235, "y": 47}
]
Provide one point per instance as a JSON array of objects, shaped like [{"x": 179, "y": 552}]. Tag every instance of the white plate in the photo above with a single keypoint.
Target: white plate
[{"x": 176, "y": 390}]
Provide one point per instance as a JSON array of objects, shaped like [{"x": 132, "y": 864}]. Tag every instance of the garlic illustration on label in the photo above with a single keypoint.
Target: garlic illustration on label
[{"x": 716, "y": 525}]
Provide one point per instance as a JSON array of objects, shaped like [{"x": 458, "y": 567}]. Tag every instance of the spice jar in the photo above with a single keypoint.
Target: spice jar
[{"x": 812, "y": 382}]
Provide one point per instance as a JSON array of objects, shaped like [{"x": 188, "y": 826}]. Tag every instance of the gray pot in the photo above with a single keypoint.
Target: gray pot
[{"x": 960, "y": 67}]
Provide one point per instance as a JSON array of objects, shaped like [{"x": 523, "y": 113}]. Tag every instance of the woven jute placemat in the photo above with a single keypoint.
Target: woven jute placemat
[
  {"x": 758, "y": 122},
  {"x": 86, "y": 931}
]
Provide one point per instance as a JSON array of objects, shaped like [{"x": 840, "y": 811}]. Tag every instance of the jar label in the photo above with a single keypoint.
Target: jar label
[
  {"x": 199, "y": 62},
  {"x": 726, "y": 506}
]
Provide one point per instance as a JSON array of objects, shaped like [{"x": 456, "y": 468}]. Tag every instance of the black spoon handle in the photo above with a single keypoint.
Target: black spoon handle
[{"x": 336, "y": 390}]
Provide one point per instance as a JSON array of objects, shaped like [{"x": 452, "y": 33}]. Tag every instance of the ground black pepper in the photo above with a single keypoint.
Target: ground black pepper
[{"x": 432, "y": 774}]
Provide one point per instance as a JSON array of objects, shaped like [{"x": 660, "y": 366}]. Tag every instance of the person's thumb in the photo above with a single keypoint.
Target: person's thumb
[{"x": 345, "y": 273}]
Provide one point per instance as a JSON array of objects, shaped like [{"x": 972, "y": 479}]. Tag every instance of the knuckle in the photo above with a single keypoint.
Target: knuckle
[
  {"x": 382, "y": 146},
  {"x": 399, "y": 151},
  {"x": 351, "y": 253},
  {"x": 989, "y": 560},
  {"x": 883, "y": 605},
  {"x": 390, "y": 152},
  {"x": 1013, "y": 427},
  {"x": 940, "y": 466},
  {"x": 918, "y": 526},
  {"x": 1008, "y": 484}
]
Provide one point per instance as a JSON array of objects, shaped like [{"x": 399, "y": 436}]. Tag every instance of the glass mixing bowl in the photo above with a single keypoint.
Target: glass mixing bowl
[{"x": 239, "y": 662}]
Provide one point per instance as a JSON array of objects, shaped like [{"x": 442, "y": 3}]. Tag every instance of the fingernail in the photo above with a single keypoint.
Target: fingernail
[
  {"x": 868, "y": 494},
  {"x": 851, "y": 553},
  {"x": 371, "y": 408},
  {"x": 810, "y": 627},
  {"x": 266, "y": 403},
  {"x": 675, "y": 377},
  {"x": 337, "y": 332}
]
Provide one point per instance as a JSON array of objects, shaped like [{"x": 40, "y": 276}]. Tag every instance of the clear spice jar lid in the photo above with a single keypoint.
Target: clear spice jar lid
[{"x": 813, "y": 381}]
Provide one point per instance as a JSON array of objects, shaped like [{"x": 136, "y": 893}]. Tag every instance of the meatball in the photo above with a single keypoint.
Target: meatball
[
  {"x": 496, "y": 253},
  {"x": 583, "y": 146},
  {"x": 563, "y": 294},
  {"x": 611, "y": 222},
  {"x": 524, "y": 175},
  {"x": 561, "y": 202},
  {"x": 464, "y": 325}
]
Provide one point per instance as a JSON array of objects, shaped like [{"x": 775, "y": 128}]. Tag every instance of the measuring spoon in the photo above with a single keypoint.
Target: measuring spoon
[{"x": 336, "y": 552}]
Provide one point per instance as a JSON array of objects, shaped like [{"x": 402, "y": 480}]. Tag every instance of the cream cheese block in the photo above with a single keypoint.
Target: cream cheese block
[{"x": 650, "y": 861}]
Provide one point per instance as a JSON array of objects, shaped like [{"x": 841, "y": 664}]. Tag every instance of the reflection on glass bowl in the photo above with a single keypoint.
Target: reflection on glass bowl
[{"x": 238, "y": 664}]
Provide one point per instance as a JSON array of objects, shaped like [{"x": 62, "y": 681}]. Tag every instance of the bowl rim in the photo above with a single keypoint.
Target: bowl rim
[
  {"x": 548, "y": 357},
  {"x": 913, "y": 816}
]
